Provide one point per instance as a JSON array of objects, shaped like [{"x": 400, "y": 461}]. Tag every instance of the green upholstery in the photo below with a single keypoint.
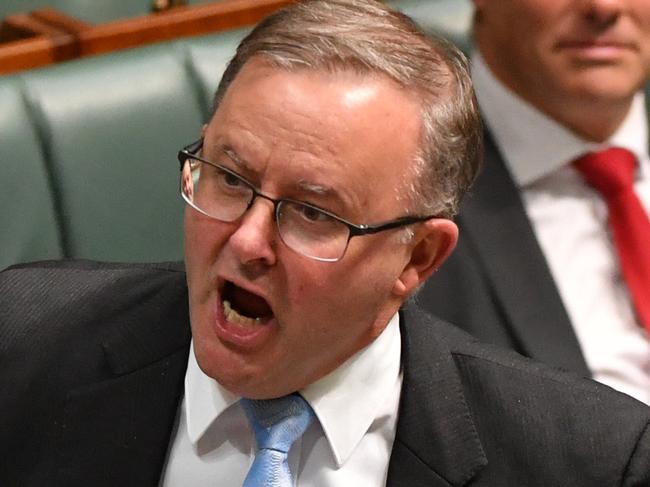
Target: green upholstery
[
  {"x": 112, "y": 126},
  {"x": 97, "y": 138},
  {"x": 449, "y": 18},
  {"x": 28, "y": 221},
  {"x": 208, "y": 57},
  {"x": 94, "y": 11}
]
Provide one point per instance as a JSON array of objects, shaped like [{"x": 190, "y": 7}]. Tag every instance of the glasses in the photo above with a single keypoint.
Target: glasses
[{"x": 222, "y": 194}]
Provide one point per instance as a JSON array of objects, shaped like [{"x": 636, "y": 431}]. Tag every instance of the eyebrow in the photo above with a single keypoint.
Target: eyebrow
[
  {"x": 302, "y": 186},
  {"x": 328, "y": 198},
  {"x": 234, "y": 157},
  {"x": 319, "y": 189}
]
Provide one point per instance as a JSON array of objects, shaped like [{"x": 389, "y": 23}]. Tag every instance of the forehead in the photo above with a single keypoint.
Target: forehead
[{"x": 355, "y": 133}]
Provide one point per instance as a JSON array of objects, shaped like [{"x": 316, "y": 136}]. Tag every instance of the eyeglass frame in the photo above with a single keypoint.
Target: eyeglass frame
[{"x": 354, "y": 230}]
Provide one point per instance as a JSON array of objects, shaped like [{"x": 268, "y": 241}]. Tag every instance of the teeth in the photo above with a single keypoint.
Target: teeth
[{"x": 234, "y": 317}]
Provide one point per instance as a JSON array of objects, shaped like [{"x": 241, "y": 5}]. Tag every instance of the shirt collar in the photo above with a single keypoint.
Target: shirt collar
[
  {"x": 345, "y": 401},
  {"x": 532, "y": 144},
  {"x": 205, "y": 399}
]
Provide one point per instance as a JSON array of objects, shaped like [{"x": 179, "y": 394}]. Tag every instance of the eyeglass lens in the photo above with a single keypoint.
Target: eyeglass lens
[{"x": 226, "y": 196}]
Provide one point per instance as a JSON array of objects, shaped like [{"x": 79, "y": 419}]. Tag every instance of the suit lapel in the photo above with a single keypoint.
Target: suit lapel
[
  {"x": 117, "y": 431},
  {"x": 436, "y": 443},
  {"x": 516, "y": 267}
]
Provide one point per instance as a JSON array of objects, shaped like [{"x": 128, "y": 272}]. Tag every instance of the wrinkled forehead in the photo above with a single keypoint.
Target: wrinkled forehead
[{"x": 343, "y": 130}]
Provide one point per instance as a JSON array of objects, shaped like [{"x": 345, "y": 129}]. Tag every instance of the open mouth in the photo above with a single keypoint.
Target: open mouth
[{"x": 243, "y": 307}]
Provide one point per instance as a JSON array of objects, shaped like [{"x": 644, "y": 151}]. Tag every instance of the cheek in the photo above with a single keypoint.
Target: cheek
[
  {"x": 203, "y": 238},
  {"x": 352, "y": 289},
  {"x": 530, "y": 30},
  {"x": 203, "y": 242},
  {"x": 644, "y": 42},
  {"x": 307, "y": 286},
  {"x": 326, "y": 314},
  {"x": 190, "y": 233},
  {"x": 311, "y": 297}
]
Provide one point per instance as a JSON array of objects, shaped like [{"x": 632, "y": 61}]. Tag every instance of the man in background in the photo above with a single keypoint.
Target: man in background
[
  {"x": 319, "y": 197},
  {"x": 548, "y": 263}
]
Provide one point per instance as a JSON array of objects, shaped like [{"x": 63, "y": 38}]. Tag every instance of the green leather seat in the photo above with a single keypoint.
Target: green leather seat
[
  {"x": 208, "y": 57},
  {"x": 94, "y": 11},
  {"x": 97, "y": 139},
  {"x": 29, "y": 228},
  {"x": 449, "y": 18},
  {"x": 112, "y": 126}
]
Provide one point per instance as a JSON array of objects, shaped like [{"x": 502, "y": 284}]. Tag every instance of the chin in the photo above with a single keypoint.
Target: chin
[
  {"x": 228, "y": 373},
  {"x": 253, "y": 387},
  {"x": 605, "y": 83},
  {"x": 233, "y": 372}
]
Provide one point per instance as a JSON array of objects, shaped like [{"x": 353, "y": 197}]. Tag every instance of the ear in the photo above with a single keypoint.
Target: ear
[
  {"x": 203, "y": 129},
  {"x": 432, "y": 244}
]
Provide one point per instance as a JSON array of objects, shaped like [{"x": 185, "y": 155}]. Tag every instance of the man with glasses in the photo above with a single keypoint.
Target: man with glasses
[
  {"x": 319, "y": 197},
  {"x": 307, "y": 229}
]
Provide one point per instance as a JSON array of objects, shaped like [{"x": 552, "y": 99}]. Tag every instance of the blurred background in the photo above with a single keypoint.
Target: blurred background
[{"x": 97, "y": 97}]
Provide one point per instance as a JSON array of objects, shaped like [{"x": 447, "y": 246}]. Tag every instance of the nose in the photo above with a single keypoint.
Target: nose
[
  {"x": 603, "y": 13},
  {"x": 254, "y": 240}
]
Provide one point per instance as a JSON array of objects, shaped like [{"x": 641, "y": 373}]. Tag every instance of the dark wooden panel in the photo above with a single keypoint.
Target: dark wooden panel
[
  {"x": 36, "y": 52},
  {"x": 60, "y": 20},
  {"x": 46, "y": 36},
  {"x": 181, "y": 21},
  {"x": 24, "y": 26}
]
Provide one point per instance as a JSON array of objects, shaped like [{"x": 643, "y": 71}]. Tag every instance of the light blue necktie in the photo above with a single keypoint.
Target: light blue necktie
[{"x": 277, "y": 423}]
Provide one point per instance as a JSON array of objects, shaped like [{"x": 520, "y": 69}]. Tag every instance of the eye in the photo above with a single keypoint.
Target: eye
[
  {"x": 312, "y": 214},
  {"x": 231, "y": 180}
]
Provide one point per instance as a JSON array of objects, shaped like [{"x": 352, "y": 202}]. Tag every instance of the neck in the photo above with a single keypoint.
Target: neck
[
  {"x": 590, "y": 117},
  {"x": 594, "y": 120}
]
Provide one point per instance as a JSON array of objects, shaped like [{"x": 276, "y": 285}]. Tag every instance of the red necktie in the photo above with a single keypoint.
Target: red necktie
[{"x": 611, "y": 173}]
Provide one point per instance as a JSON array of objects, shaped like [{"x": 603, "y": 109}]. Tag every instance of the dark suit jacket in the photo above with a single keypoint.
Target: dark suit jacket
[
  {"x": 92, "y": 360},
  {"x": 497, "y": 284}
]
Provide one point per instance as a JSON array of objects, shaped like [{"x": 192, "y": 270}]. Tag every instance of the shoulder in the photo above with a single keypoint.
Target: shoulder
[
  {"x": 64, "y": 269},
  {"x": 497, "y": 380},
  {"x": 53, "y": 307},
  {"x": 74, "y": 326},
  {"x": 530, "y": 416},
  {"x": 498, "y": 365},
  {"x": 54, "y": 284}
]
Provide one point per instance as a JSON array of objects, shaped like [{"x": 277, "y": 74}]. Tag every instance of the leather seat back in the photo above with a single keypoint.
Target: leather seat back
[
  {"x": 111, "y": 128},
  {"x": 449, "y": 18},
  {"x": 98, "y": 138},
  {"x": 29, "y": 224},
  {"x": 207, "y": 58},
  {"x": 95, "y": 11}
]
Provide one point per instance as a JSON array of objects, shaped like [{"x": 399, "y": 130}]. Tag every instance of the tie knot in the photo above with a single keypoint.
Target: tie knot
[
  {"x": 278, "y": 423},
  {"x": 609, "y": 172}
]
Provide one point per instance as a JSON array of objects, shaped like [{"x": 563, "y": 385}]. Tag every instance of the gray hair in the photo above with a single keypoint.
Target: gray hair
[{"x": 368, "y": 37}]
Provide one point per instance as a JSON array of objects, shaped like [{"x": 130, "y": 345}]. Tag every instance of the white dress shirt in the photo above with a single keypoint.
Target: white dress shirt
[
  {"x": 348, "y": 445},
  {"x": 570, "y": 221}
]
